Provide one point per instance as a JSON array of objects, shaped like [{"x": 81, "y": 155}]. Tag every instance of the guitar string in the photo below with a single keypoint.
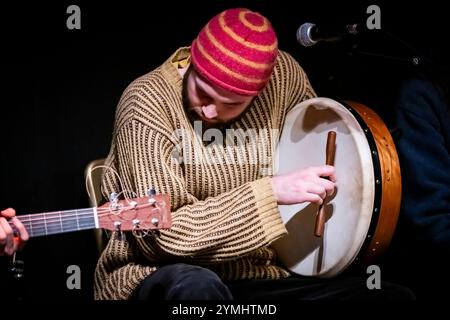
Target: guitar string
[{"x": 56, "y": 215}]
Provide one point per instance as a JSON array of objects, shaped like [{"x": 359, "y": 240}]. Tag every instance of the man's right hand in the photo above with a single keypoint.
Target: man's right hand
[
  {"x": 10, "y": 243},
  {"x": 306, "y": 185}
]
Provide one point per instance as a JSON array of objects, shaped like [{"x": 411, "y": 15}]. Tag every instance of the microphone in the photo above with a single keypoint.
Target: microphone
[{"x": 309, "y": 34}]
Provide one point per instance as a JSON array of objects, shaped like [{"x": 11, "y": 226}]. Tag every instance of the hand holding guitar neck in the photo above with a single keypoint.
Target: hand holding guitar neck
[
  {"x": 140, "y": 215},
  {"x": 13, "y": 234},
  {"x": 330, "y": 152}
]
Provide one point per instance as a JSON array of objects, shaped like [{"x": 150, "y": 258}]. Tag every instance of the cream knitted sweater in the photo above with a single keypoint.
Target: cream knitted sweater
[{"x": 224, "y": 212}]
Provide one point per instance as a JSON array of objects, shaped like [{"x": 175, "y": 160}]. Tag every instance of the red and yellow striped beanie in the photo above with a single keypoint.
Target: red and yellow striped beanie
[{"x": 237, "y": 51}]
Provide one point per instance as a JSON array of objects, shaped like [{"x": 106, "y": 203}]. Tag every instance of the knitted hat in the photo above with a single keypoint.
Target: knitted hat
[{"x": 237, "y": 51}]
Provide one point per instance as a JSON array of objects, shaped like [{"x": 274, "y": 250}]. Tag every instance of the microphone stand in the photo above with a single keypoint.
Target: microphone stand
[{"x": 415, "y": 60}]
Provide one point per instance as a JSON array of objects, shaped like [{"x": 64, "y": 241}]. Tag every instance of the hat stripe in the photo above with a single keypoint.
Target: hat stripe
[
  {"x": 250, "y": 25},
  {"x": 238, "y": 38},
  {"x": 231, "y": 54},
  {"x": 225, "y": 69}
]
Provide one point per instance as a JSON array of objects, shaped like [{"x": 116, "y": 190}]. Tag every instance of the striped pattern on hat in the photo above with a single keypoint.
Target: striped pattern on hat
[{"x": 236, "y": 50}]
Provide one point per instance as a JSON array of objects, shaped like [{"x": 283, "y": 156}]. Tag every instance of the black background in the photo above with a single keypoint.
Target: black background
[{"x": 60, "y": 88}]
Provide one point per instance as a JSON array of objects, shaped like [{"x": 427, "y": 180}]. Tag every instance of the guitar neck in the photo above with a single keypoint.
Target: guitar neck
[
  {"x": 42, "y": 224},
  {"x": 137, "y": 214}
]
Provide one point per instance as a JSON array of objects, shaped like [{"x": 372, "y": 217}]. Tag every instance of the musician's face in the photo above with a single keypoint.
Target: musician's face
[{"x": 211, "y": 104}]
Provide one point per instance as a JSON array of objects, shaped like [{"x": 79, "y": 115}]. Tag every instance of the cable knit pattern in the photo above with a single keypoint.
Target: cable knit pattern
[{"x": 224, "y": 212}]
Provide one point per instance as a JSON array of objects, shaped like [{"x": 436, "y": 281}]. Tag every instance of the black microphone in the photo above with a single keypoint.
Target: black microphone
[{"x": 309, "y": 34}]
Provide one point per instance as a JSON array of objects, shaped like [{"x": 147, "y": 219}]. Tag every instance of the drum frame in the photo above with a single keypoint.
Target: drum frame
[{"x": 388, "y": 185}]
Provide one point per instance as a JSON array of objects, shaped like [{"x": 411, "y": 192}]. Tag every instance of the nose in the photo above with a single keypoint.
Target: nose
[{"x": 209, "y": 111}]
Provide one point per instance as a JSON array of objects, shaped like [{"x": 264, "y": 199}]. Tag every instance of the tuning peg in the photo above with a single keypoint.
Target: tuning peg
[
  {"x": 138, "y": 231},
  {"x": 155, "y": 221},
  {"x": 133, "y": 204},
  {"x": 151, "y": 192},
  {"x": 118, "y": 228},
  {"x": 114, "y": 198}
]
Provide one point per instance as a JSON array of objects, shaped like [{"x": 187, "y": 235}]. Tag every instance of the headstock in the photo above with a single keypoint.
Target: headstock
[{"x": 139, "y": 215}]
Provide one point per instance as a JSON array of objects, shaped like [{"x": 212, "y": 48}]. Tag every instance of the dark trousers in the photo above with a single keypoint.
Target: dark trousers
[{"x": 187, "y": 282}]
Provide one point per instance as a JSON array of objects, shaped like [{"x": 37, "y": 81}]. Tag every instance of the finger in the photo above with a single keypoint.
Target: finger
[
  {"x": 4, "y": 224},
  {"x": 324, "y": 171},
  {"x": 8, "y": 213},
  {"x": 318, "y": 190},
  {"x": 22, "y": 236},
  {"x": 314, "y": 198},
  {"x": 18, "y": 244},
  {"x": 333, "y": 177},
  {"x": 328, "y": 185},
  {"x": 10, "y": 246},
  {"x": 2, "y": 238},
  {"x": 7, "y": 239},
  {"x": 23, "y": 233},
  {"x": 330, "y": 173}
]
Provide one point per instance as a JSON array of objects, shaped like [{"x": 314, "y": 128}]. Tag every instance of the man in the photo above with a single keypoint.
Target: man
[
  {"x": 202, "y": 127},
  {"x": 224, "y": 199}
]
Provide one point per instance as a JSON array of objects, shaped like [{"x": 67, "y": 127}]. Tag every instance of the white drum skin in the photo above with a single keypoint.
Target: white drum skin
[{"x": 349, "y": 212}]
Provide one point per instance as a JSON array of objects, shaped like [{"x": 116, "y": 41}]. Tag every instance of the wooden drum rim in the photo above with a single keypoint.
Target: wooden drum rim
[{"x": 388, "y": 186}]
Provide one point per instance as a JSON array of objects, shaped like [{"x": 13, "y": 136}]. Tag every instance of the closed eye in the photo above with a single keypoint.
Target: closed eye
[{"x": 232, "y": 104}]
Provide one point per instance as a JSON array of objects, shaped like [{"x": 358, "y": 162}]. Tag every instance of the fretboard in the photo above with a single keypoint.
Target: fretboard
[{"x": 42, "y": 224}]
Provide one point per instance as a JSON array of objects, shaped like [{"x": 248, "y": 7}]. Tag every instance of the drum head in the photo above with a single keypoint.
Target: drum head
[{"x": 348, "y": 213}]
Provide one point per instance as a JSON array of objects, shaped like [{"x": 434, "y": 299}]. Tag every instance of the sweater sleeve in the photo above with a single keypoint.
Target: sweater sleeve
[
  {"x": 425, "y": 158},
  {"x": 218, "y": 228}
]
